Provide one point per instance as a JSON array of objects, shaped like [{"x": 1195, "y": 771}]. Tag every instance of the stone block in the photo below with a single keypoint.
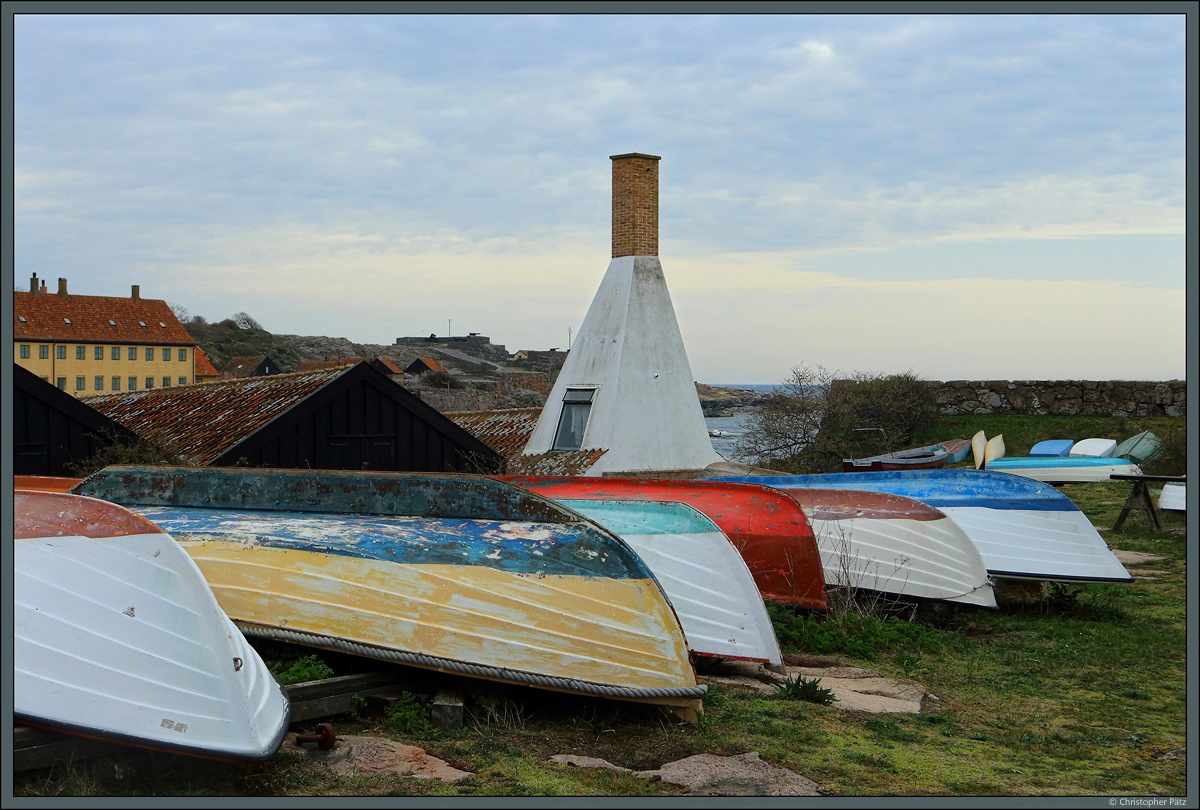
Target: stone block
[{"x": 446, "y": 709}]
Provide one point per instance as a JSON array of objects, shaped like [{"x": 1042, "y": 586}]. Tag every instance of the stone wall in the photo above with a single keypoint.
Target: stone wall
[{"x": 1065, "y": 397}]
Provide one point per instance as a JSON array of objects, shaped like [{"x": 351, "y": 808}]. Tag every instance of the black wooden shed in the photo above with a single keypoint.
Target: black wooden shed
[
  {"x": 52, "y": 429},
  {"x": 346, "y": 418}
]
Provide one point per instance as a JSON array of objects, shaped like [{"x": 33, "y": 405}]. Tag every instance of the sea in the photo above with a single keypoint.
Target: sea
[{"x": 730, "y": 428}]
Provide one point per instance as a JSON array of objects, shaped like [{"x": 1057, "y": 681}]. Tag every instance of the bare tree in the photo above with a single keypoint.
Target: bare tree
[
  {"x": 790, "y": 419},
  {"x": 244, "y": 321},
  {"x": 180, "y": 312},
  {"x": 815, "y": 420}
]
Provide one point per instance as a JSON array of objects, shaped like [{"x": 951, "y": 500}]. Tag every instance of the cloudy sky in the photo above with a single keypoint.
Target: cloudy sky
[{"x": 961, "y": 197}]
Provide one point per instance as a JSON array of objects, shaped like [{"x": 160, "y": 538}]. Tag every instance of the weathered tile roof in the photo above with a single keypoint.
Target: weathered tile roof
[
  {"x": 507, "y": 431},
  {"x": 328, "y": 362},
  {"x": 555, "y": 462},
  {"x": 200, "y": 422},
  {"x": 95, "y": 319}
]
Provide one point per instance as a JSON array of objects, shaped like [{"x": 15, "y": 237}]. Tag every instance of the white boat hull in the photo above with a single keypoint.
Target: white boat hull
[
  {"x": 701, "y": 572},
  {"x": 1099, "y": 448},
  {"x": 121, "y": 638},
  {"x": 1041, "y": 545},
  {"x": 896, "y": 545},
  {"x": 1173, "y": 496}
]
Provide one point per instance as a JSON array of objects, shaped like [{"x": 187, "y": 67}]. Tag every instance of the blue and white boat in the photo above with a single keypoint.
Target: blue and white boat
[
  {"x": 1024, "y": 529},
  {"x": 1064, "y": 470}
]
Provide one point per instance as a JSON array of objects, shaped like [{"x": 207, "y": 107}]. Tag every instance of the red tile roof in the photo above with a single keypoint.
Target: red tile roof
[
  {"x": 202, "y": 366},
  {"x": 95, "y": 319},
  {"x": 388, "y": 365},
  {"x": 200, "y": 422}
]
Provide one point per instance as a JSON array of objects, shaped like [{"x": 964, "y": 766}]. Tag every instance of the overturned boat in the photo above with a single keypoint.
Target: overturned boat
[
  {"x": 1064, "y": 469},
  {"x": 449, "y": 572},
  {"x": 701, "y": 572},
  {"x": 768, "y": 528},
  {"x": 1024, "y": 529},
  {"x": 896, "y": 545},
  {"x": 117, "y": 636}
]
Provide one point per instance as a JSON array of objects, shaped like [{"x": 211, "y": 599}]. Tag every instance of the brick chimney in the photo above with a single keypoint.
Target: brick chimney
[
  {"x": 33, "y": 284},
  {"x": 634, "y": 205},
  {"x": 62, "y": 286},
  {"x": 136, "y": 293}
]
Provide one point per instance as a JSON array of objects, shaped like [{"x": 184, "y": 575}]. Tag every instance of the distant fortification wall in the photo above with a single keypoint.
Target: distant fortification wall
[{"x": 1065, "y": 397}]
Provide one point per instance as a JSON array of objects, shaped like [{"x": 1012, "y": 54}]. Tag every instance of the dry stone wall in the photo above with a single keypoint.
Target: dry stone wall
[{"x": 1063, "y": 397}]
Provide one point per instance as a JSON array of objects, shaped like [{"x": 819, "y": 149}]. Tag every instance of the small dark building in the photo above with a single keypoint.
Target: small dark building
[
  {"x": 249, "y": 366},
  {"x": 52, "y": 429},
  {"x": 423, "y": 364},
  {"x": 345, "y": 418}
]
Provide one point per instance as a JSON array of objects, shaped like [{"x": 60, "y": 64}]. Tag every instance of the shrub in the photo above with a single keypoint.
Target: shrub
[
  {"x": 303, "y": 669},
  {"x": 801, "y": 688},
  {"x": 407, "y": 716}
]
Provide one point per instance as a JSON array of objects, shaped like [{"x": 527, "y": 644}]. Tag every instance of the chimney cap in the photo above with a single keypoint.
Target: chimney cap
[{"x": 633, "y": 155}]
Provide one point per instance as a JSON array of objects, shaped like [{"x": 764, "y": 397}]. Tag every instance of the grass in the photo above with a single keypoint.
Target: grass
[{"x": 1064, "y": 691}]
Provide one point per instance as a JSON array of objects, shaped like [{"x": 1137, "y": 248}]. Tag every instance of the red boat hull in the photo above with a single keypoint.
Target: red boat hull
[{"x": 767, "y": 527}]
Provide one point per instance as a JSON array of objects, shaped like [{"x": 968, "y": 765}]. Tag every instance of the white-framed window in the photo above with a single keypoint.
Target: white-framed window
[
  {"x": 24, "y": 351},
  {"x": 116, "y": 383},
  {"x": 183, "y": 381},
  {"x": 98, "y": 353},
  {"x": 60, "y": 352},
  {"x": 79, "y": 352},
  {"x": 149, "y": 382},
  {"x": 132, "y": 353},
  {"x": 149, "y": 355},
  {"x": 132, "y": 382},
  {"x": 572, "y": 422},
  {"x": 98, "y": 383},
  {"x": 79, "y": 383},
  {"x": 43, "y": 352},
  {"x": 183, "y": 355},
  {"x": 166, "y": 382},
  {"x": 116, "y": 352},
  {"x": 166, "y": 354},
  {"x": 61, "y": 382}
]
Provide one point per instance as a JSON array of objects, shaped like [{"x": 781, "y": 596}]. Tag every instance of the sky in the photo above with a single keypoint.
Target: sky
[{"x": 953, "y": 196}]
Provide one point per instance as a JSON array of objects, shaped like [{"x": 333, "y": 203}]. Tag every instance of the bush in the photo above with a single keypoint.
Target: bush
[{"x": 300, "y": 670}]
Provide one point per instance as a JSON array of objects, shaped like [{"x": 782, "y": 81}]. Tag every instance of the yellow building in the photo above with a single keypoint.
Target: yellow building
[{"x": 88, "y": 344}]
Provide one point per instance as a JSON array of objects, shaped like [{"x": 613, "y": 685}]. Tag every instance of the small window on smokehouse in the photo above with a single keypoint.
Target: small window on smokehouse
[{"x": 577, "y": 404}]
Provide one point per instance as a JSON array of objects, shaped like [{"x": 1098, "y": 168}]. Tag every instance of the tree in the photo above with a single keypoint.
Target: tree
[
  {"x": 180, "y": 312},
  {"x": 816, "y": 420},
  {"x": 244, "y": 321}
]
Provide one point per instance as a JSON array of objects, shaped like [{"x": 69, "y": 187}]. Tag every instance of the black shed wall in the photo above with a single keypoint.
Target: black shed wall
[
  {"x": 51, "y": 428},
  {"x": 364, "y": 421}
]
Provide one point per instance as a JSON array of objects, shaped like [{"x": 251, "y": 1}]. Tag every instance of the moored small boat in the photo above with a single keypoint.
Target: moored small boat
[
  {"x": 956, "y": 450},
  {"x": 451, "y": 572},
  {"x": 1024, "y": 529},
  {"x": 917, "y": 458},
  {"x": 896, "y": 545},
  {"x": 768, "y": 528},
  {"x": 701, "y": 572},
  {"x": 117, "y": 636}
]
